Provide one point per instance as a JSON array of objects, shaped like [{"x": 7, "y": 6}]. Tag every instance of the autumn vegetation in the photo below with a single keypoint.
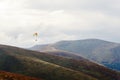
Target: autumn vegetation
[{"x": 10, "y": 76}]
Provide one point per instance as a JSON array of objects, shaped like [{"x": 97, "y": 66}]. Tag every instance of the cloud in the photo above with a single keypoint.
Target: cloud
[{"x": 56, "y": 20}]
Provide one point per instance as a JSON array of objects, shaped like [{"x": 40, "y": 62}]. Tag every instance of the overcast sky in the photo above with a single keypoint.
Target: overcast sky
[{"x": 57, "y": 20}]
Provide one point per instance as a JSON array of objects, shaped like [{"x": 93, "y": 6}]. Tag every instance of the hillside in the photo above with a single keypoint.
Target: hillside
[
  {"x": 65, "y": 54},
  {"x": 11, "y": 76},
  {"x": 27, "y": 62},
  {"x": 38, "y": 64},
  {"x": 100, "y": 51}
]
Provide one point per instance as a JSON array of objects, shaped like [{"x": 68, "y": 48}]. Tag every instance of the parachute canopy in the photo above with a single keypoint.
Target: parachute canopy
[{"x": 35, "y": 35}]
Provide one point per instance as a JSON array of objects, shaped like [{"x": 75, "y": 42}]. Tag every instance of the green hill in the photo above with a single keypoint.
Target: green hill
[
  {"x": 51, "y": 67},
  {"x": 100, "y": 51},
  {"x": 27, "y": 62}
]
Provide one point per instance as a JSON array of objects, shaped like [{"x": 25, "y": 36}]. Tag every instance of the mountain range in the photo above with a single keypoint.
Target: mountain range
[
  {"x": 100, "y": 51},
  {"x": 48, "y": 66}
]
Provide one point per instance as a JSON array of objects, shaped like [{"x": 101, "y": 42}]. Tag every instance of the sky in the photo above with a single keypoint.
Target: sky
[{"x": 56, "y": 20}]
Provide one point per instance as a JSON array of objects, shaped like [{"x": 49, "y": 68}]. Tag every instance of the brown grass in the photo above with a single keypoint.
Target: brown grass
[{"x": 11, "y": 76}]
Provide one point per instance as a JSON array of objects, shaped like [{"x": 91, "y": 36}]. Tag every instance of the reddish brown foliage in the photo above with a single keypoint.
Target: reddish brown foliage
[{"x": 11, "y": 76}]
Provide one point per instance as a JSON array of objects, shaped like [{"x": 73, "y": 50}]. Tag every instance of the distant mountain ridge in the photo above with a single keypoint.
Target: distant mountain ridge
[{"x": 101, "y": 51}]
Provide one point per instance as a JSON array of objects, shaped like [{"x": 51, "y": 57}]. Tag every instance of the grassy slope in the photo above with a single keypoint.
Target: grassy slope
[
  {"x": 99, "y": 68},
  {"x": 103, "y": 52},
  {"x": 84, "y": 66},
  {"x": 31, "y": 66}
]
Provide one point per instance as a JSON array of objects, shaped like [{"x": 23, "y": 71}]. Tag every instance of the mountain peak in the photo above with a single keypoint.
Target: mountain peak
[
  {"x": 83, "y": 40},
  {"x": 100, "y": 51}
]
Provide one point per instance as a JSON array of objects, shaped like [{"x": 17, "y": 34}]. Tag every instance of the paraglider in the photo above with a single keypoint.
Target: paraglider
[{"x": 35, "y": 35}]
